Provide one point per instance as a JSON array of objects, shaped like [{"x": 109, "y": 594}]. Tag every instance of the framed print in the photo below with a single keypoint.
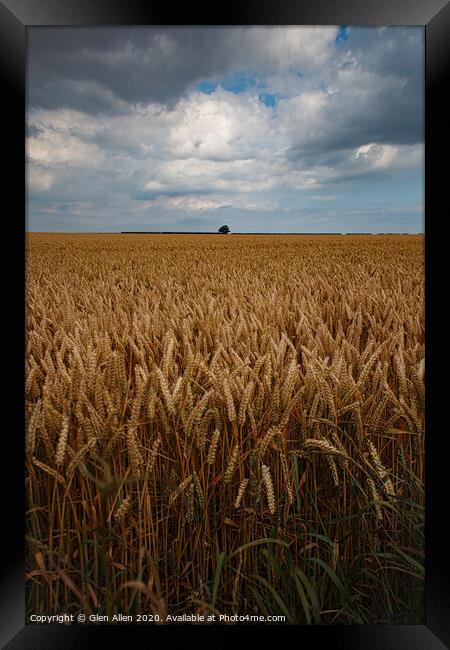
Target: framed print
[{"x": 226, "y": 288}]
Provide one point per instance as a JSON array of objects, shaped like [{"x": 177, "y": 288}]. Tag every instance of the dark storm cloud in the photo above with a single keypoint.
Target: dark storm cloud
[
  {"x": 397, "y": 51},
  {"x": 90, "y": 69},
  {"x": 74, "y": 66},
  {"x": 378, "y": 85},
  {"x": 387, "y": 119},
  {"x": 108, "y": 70}
]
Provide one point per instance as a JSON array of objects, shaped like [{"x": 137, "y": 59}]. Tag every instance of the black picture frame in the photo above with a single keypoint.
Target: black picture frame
[{"x": 15, "y": 17}]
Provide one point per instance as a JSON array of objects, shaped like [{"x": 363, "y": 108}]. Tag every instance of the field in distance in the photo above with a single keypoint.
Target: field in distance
[{"x": 228, "y": 425}]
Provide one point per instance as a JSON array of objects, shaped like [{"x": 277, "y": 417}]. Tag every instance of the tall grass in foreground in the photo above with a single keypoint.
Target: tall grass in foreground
[{"x": 226, "y": 425}]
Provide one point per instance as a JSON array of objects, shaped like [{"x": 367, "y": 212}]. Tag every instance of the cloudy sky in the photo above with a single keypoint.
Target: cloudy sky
[{"x": 266, "y": 129}]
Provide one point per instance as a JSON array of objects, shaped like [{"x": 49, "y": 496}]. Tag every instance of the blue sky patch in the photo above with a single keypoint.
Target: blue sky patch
[
  {"x": 342, "y": 34},
  {"x": 207, "y": 87},
  {"x": 238, "y": 83},
  {"x": 268, "y": 99}
]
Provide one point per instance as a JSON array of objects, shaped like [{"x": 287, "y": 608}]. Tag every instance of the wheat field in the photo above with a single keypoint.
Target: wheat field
[{"x": 226, "y": 424}]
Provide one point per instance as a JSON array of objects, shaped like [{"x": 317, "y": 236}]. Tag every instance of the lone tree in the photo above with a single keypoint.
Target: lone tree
[{"x": 224, "y": 230}]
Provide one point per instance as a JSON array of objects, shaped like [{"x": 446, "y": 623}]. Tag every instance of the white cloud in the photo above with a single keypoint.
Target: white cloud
[
  {"x": 223, "y": 142},
  {"x": 39, "y": 179},
  {"x": 55, "y": 148},
  {"x": 386, "y": 156},
  {"x": 197, "y": 202},
  {"x": 189, "y": 203},
  {"x": 285, "y": 48},
  {"x": 380, "y": 156},
  {"x": 221, "y": 126}
]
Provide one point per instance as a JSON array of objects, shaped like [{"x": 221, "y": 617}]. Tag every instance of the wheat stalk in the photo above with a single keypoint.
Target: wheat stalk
[
  {"x": 122, "y": 509},
  {"x": 231, "y": 465},
  {"x": 241, "y": 492},
  {"x": 267, "y": 480},
  {"x": 62, "y": 442},
  {"x": 213, "y": 447}
]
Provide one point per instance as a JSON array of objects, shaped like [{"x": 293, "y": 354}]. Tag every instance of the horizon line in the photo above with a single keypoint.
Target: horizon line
[{"x": 210, "y": 232}]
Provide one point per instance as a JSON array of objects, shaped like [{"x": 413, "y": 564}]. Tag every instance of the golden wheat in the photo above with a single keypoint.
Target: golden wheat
[{"x": 151, "y": 358}]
